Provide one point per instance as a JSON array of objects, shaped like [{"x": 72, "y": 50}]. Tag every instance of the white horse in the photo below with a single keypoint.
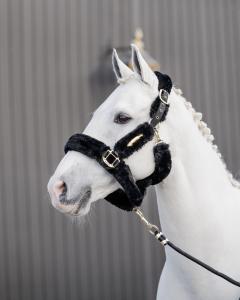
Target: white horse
[{"x": 199, "y": 202}]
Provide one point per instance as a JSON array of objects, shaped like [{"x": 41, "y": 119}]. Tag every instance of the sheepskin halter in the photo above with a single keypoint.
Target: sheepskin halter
[
  {"x": 130, "y": 196},
  {"x": 132, "y": 192}
]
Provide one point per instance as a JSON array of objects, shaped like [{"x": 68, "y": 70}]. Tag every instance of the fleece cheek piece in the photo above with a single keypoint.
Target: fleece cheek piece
[{"x": 163, "y": 164}]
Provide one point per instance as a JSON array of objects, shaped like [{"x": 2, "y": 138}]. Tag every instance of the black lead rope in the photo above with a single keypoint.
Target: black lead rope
[
  {"x": 202, "y": 264},
  {"x": 154, "y": 230}
]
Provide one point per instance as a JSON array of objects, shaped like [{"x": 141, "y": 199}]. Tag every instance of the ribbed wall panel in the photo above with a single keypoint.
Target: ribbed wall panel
[{"x": 53, "y": 73}]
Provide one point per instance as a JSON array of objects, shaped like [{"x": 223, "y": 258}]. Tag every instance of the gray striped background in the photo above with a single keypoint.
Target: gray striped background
[{"x": 53, "y": 72}]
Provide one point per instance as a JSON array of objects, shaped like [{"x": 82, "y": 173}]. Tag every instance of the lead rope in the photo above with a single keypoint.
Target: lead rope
[{"x": 154, "y": 230}]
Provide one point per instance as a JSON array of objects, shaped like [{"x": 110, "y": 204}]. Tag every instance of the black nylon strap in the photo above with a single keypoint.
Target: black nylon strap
[{"x": 159, "y": 116}]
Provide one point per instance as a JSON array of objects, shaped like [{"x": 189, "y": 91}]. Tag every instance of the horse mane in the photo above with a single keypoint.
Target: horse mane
[{"x": 206, "y": 132}]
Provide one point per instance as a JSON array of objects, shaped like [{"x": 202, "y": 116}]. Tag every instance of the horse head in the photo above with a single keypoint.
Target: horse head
[{"x": 79, "y": 180}]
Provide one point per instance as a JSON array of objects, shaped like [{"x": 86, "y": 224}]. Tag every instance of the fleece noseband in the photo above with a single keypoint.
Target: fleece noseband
[{"x": 112, "y": 160}]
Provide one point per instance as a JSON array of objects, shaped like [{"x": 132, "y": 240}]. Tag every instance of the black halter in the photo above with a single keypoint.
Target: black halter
[{"x": 112, "y": 160}]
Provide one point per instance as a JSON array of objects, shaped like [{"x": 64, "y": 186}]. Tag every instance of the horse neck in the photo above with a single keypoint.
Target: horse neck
[{"x": 193, "y": 199}]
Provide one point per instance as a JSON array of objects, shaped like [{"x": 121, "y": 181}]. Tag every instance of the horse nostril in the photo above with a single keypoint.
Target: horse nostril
[{"x": 59, "y": 188}]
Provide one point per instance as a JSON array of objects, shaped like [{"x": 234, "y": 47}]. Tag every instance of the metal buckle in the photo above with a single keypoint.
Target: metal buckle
[
  {"x": 163, "y": 95},
  {"x": 110, "y": 158}
]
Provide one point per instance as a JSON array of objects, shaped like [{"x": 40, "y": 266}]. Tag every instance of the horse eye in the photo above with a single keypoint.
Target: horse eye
[{"x": 122, "y": 118}]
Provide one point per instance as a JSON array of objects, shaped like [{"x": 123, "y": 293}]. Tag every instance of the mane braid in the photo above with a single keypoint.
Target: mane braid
[{"x": 206, "y": 132}]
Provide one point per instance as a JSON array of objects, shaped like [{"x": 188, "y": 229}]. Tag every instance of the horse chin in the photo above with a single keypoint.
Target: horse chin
[
  {"x": 81, "y": 208},
  {"x": 75, "y": 207},
  {"x": 81, "y": 212}
]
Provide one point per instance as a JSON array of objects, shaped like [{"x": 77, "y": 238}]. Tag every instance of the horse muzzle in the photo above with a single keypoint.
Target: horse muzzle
[{"x": 62, "y": 200}]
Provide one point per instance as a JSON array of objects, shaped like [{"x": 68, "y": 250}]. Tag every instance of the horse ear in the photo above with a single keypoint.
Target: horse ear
[
  {"x": 142, "y": 68},
  {"x": 121, "y": 71}
]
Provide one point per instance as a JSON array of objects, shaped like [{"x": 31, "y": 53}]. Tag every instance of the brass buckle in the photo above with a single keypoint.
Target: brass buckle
[
  {"x": 110, "y": 158},
  {"x": 163, "y": 95}
]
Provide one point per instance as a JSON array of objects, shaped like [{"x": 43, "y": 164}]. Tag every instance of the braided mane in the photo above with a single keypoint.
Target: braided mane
[{"x": 206, "y": 132}]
